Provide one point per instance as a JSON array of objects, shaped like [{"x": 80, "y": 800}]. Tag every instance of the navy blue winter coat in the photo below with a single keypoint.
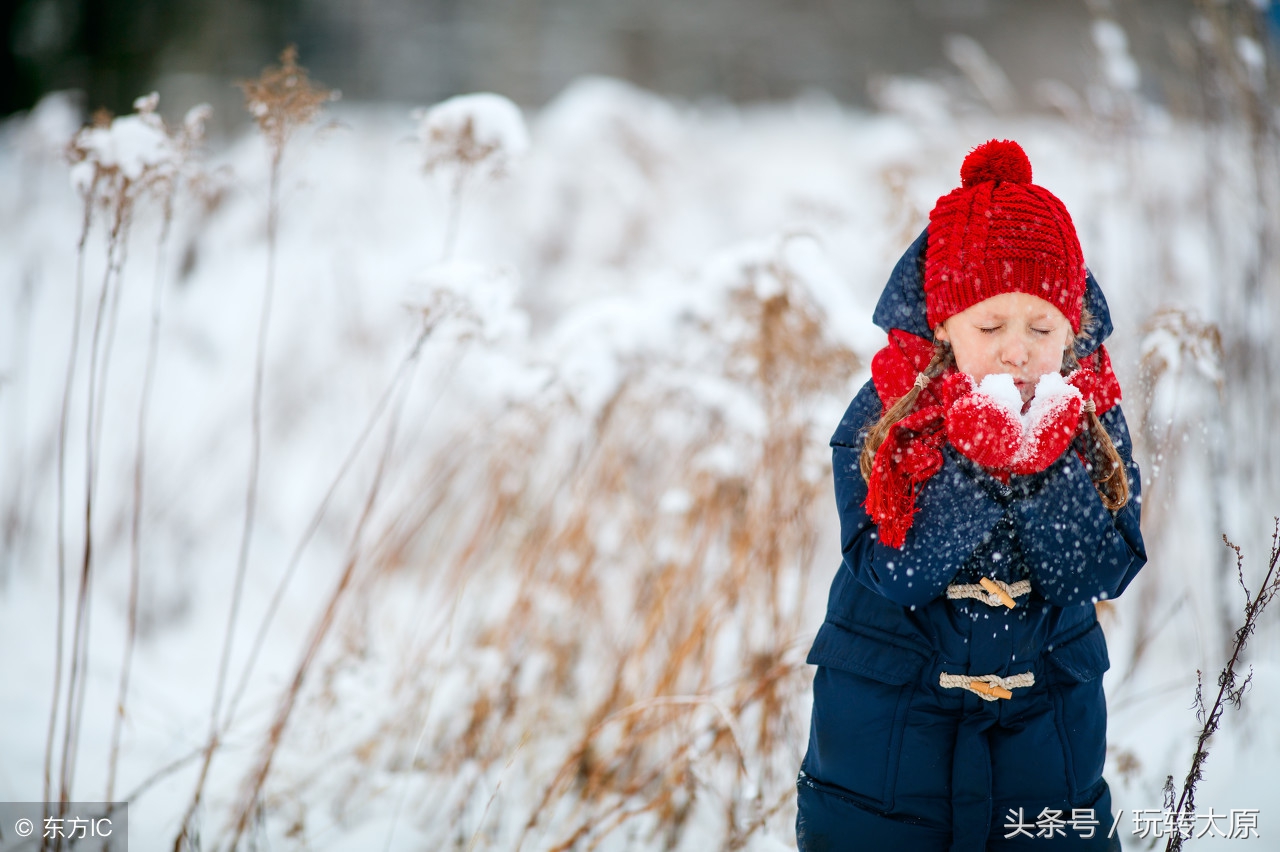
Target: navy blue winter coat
[{"x": 896, "y": 760}]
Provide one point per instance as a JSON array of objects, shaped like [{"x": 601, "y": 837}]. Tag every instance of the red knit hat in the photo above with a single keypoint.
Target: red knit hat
[{"x": 1000, "y": 233}]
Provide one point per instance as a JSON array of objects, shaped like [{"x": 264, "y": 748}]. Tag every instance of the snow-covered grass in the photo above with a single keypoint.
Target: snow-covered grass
[{"x": 566, "y": 493}]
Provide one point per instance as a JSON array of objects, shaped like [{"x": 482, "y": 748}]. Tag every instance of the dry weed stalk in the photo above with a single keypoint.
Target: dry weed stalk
[
  {"x": 469, "y": 136},
  {"x": 119, "y": 190},
  {"x": 465, "y": 154},
  {"x": 440, "y": 308},
  {"x": 63, "y": 425},
  {"x": 248, "y": 809},
  {"x": 1173, "y": 340},
  {"x": 1181, "y": 803},
  {"x": 186, "y": 142},
  {"x": 282, "y": 100},
  {"x": 897, "y": 179},
  {"x": 653, "y": 560},
  {"x": 115, "y": 164},
  {"x": 1180, "y": 374}
]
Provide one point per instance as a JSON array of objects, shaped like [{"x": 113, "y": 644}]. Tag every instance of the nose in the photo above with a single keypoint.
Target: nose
[{"x": 1014, "y": 352}]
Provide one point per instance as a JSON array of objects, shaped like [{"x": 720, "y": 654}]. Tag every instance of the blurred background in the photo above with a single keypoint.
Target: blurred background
[
  {"x": 527, "y": 540},
  {"x": 741, "y": 50}
]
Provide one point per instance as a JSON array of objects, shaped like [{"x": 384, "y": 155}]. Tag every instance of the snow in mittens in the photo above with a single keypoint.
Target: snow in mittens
[
  {"x": 1052, "y": 393},
  {"x": 1001, "y": 389}
]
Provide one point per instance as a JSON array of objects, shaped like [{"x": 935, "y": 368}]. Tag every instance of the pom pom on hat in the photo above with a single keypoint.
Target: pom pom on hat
[{"x": 998, "y": 160}]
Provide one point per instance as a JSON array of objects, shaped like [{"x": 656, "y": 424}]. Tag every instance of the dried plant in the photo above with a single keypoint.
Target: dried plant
[
  {"x": 1175, "y": 340},
  {"x": 679, "y": 529},
  {"x": 282, "y": 101},
  {"x": 1180, "y": 803},
  {"x": 465, "y": 137},
  {"x": 1180, "y": 376},
  {"x": 187, "y": 140},
  {"x": 440, "y": 308},
  {"x": 1182, "y": 356},
  {"x": 115, "y": 164},
  {"x": 905, "y": 210}
]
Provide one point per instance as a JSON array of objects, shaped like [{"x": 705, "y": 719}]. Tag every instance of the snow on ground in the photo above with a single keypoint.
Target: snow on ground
[{"x": 606, "y": 260}]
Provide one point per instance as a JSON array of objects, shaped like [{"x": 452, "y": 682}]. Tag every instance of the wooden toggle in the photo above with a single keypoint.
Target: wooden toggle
[
  {"x": 989, "y": 689},
  {"x": 991, "y": 587}
]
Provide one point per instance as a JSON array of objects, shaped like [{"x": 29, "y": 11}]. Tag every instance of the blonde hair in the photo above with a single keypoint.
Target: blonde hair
[{"x": 1106, "y": 467}]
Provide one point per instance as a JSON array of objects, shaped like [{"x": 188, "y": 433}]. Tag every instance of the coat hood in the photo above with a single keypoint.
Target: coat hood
[{"x": 902, "y": 304}]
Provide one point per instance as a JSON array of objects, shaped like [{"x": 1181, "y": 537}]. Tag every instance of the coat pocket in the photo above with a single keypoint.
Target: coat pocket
[
  {"x": 1080, "y": 708},
  {"x": 861, "y": 696},
  {"x": 866, "y": 655},
  {"x": 1083, "y": 658}
]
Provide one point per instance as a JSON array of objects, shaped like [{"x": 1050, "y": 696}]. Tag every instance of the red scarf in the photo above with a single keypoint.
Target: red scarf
[{"x": 912, "y": 450}]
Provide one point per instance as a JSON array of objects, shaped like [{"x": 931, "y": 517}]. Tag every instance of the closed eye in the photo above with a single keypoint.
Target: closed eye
[
  {"x": 1042, "y": 331},
  {"x": 989, "y": 330}
]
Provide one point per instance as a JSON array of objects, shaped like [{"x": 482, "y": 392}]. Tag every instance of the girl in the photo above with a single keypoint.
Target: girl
[{"x": 987, "y": 501}]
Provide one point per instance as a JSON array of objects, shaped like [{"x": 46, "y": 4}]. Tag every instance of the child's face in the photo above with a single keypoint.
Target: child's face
[{"x": 1014, "y": 333}]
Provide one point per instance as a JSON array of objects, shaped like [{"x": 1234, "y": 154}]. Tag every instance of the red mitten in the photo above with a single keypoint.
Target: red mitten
[
  {"x": 1053, "y": 420},
  {"x": 984, "y": 425}
]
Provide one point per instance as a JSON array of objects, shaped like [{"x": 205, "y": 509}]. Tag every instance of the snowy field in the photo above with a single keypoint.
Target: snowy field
[{"x": 543, "y": 489}]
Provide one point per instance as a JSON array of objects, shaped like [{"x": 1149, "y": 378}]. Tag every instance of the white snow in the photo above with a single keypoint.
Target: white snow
[
  {"x": 482, "y": 130},
  {"x": 1117, "y": 63},
  {"x": 590, "y": 358},
  {"x": 1001, "y": 389}
]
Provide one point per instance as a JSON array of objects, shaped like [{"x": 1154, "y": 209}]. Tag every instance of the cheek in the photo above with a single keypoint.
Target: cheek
[
  {"x": 1047, "y": 358},
  {"x": 976, "y": 357}
]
